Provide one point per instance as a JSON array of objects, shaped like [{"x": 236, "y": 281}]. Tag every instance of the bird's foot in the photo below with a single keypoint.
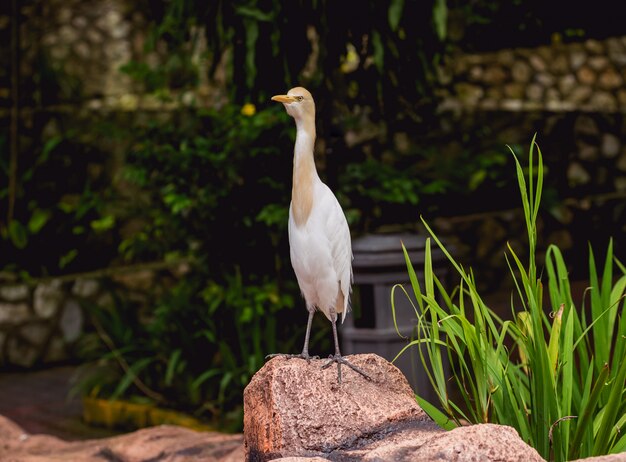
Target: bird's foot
[
  {"x": 303, "y": 355},
  {"x": 337, "y": 358}
]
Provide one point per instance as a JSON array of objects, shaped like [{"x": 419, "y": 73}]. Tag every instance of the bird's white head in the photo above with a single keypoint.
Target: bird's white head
[{"x": 298, "y": 103}]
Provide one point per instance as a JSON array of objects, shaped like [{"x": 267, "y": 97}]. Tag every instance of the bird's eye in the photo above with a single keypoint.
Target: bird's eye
[{"x": 299, "y": 98}]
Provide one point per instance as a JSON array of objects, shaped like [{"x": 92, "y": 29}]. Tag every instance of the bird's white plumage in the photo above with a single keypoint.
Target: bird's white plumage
[{"x": 321, "y": 254}]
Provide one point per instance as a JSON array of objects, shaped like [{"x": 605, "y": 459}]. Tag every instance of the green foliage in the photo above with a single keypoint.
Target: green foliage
[
  {"x": 206, "y": 180},
  {"x": 48, "y": 210},
  {"x": 195, "y": 351},
  {"x": 377, "y": 191},
  {"x": 556, "y": 375}
]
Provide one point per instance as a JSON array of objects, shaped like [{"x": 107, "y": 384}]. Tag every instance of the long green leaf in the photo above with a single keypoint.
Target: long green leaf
[
  {"x": 439, "y": 417},
  {"x": 612, "y": 407},
  {"x": 587, "y": 410}
]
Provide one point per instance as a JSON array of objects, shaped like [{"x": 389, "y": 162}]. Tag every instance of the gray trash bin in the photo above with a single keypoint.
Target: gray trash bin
[{"x": 378, "y": 265}]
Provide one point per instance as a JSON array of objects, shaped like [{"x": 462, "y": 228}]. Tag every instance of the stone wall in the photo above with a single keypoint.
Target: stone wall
[
  {"x": 586, "y": 76},
  {"x": 40, "y": 323},
  {"x": 573, "y": 96}
]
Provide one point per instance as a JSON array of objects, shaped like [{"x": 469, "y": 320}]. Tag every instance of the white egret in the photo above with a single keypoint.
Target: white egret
[{"x": 319, "y": 237}]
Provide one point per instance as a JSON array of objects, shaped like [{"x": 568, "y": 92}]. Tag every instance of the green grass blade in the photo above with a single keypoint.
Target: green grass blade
[
  {"x": 584, "y": 424},
  {"x": 439, "y": 417},
  {"x": 612, "y": 407}
]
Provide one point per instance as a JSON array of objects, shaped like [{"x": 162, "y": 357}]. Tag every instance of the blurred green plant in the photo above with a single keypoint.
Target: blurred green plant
[
  {"x": 376, "y": 191},
  {"x": 194, "y": 351},
  {"x": 557, "y": 376},
  {"x": 47, "y": 209}
]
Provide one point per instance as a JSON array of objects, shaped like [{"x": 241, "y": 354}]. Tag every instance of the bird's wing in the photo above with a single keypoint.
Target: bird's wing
[{"x": 338, "y": 235}]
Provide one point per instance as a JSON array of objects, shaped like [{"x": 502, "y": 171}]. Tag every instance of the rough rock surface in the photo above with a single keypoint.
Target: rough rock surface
[
  {"x": 294, "y": 410},
  {"x": 621, "y": 457},
  {"x": 163, "y": 443}
]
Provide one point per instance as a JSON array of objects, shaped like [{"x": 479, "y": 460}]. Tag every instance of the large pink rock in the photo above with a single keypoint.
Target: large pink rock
[
  {"x": 296, "y": 411},
  {"x": 293, "y": 407}
]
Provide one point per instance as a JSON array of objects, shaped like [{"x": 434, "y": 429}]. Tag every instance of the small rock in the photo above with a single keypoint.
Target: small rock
[
  {"x": 577, "y": 58},
  {"x": 468, "y": 94},
  {"x": 610, "y": 79},
  {"x": 79, "y": 22},
  {"x": 545, "y": 52},
  {"x": 611, "y": 145},
  {"x": 67, "y": 35},
  {"x": 20, "y": 353},
  {"x": 109, "y": 20},
  {"x": 505, "y": 57},
  {"x": 586, "y": 75},
  {"x": 514, "y": 90},
  {"x": 82, "y": 50},
  {"x": 94, "y": 35},
  {"x": 47, "y": 298},
  {"x": 598, "y": 63},
  {"x": 586, "y": 126},
  {"x": 566, "y": 84},
  {"x": 537, "y": 63},
  {"x": 476, "y": 74},
  {"x": 545, "y": 79},
  {"x": 35, "y": 333},
  {"x": 559, "y": 65},
  {"x": 614, "y": 47},
  {"x": 577, "y": 175},
  {"x": 512, "y": 104},
  {"x": 14, "y": 293},
  {"x": 85, "y": 287},
  {"x": 534, "y": 92},
  {"x": 65, "y": 15},
  {"x": 588, "y": 152},
  {"x": 489, "y": 104},
  {"x": 14, "y": 313},
  {"x": 71, "y": 321},
  {"x": 594, "y": 46},
  {"x": 580, "y": 94},
  {"x": 552, "y": 95},
  {"x": 602, "y": 101},
  {"x": 521, "y": 72},
  {"x": 495, "y": 75}
]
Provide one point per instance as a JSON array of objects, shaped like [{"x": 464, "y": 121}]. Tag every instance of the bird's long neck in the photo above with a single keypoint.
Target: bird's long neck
[{"x": 304, "y": 172}]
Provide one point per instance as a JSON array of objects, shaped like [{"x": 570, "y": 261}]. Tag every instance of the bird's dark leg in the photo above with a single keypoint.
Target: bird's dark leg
[
  {"x": 337, "y": 358},
  {"x": 307, "y": 336}
]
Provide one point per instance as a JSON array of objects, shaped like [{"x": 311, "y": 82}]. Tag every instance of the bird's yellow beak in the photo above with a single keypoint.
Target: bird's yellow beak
[{"x": 283, "y": 99}]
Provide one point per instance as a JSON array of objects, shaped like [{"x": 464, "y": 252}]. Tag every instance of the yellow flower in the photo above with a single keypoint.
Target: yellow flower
[{"x": 248, "y": 109}]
